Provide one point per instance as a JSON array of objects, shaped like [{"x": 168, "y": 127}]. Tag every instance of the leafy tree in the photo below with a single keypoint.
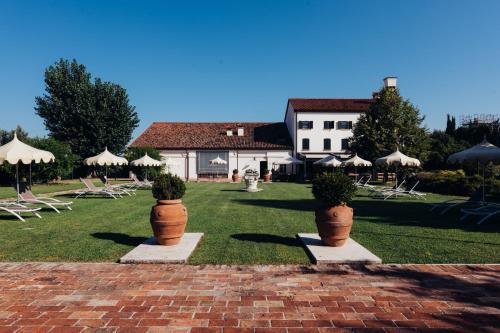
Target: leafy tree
[
  {"x": 392, "y": 122},
  {"x": 62, "y": 167},
  {"x": 6, "y": 136},
  {"x": 442, "y": 145},
  {"x": 88, "y": 115}
]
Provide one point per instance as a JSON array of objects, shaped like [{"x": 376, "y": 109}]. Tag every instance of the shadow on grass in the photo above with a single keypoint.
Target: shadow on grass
[
  {"x": 267, "y": 238},
  {"x": 301, "y": 205},
  {"x": 120, "y": 238}
]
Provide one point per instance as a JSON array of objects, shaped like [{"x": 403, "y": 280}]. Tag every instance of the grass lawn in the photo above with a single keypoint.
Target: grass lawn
[{"x": 249, "y": 228}]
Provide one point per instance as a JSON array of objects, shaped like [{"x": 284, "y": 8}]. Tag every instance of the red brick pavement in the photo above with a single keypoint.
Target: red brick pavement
[{"x": 52, "y": 297}]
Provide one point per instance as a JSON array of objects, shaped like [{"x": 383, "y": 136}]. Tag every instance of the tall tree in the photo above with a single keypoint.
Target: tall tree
[
  {"x": 87, "y": 115},
  {"x": 392, "y": 122},
  {"x": 451, "y": 125},
  {"x": 6, "y": 136}
]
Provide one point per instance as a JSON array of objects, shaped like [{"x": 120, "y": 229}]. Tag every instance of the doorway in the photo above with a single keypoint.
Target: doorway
[{"x": 263, "y": 166}]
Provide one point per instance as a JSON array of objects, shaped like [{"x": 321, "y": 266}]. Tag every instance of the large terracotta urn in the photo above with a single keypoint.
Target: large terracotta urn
[
  {"x": 168, "y": 220},
  {"x": 334, "y": 224},
  {"x": 236, "y": 178},
  {"x": 267, "y": 177}
]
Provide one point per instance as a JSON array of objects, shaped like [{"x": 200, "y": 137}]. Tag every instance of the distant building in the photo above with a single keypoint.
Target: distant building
[{"x": 312, "y": 129}]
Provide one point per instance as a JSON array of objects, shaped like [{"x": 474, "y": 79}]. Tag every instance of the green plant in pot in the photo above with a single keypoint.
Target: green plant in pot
[
  {"x": 334, "y": 217},
  {"x": 169, "y": 216},
  {"x": 236, "y": 177},
  {"x": 267, "y": 175}
]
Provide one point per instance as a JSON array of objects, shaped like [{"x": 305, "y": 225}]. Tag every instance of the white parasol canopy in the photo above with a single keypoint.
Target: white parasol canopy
[
  {"x": 146, "y": 161},
  {"x": 483, "y": 153},
  {"x": 356, "y": 161},
  {"x": 217, "y": 161},
  {"x": 329, "y": 161},
  {"x": 397, "y": 158},
  {"x": 16, "y": 151},
  {"x": 288, "y": 160},
  {"x": 105, "y": 158}
]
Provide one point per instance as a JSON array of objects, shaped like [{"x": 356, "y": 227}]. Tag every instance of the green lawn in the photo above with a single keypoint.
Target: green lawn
[{"x": 249, "y": 228}]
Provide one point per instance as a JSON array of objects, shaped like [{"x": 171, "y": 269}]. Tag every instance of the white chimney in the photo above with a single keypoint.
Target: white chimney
[
  {"x": 241, "y": 131},
  {"x": 229, "y": 132},
  {"x": 390, "y": 82}
]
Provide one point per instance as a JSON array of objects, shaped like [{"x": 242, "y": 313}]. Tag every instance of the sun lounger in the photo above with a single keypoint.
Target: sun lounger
[
  {"x": 27, "y": 197},
  {"x": 118, "y": 188},
  {"x": 487, "y": 211},
  {"x": 144, "y": 184},
  {"x": 382, "y": 191},
  {"x": 17, "y": 209},
  {"x": 91, "y": 189},
  {"x": 411, "y": 192}
]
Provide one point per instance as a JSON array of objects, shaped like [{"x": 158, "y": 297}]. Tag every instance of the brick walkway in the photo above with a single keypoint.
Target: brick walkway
[{"x": 142, "y": 298}]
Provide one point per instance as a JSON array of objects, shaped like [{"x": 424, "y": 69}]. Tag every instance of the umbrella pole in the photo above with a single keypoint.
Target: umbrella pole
[
  {"x": 30, "y": 176},
  {"x": 356, "y": 172},
  {"x": 484, "y": 167},
  {"x": 17, "y": 181}
]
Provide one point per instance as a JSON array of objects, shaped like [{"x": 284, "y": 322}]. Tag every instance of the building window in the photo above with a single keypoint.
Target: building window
[
  {"x": 328, "y": 124},
  {"x": 327, "y": 144},
  {"x": 305, "y": 144},
  {"x": 305, "y": 124},
  {"x": 344, "y": 144},
  {"x": 344, "y": 124}
]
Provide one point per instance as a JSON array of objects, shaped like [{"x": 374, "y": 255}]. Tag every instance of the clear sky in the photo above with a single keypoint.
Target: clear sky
[{"x": 242, "y": 60}]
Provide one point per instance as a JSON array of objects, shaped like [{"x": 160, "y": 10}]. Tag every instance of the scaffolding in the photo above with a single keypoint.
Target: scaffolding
[{"x": 483, "y": 119}]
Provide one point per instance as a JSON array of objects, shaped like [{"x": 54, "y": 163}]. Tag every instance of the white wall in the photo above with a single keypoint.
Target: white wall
[{"x": 317, "y": 134}]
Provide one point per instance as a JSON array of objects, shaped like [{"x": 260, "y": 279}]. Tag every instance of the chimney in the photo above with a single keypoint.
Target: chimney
[
  {"x": 390, "y": 82},
  {"x": 375, "y": 94},
  {"x": 241, "y": 131},
  {"x": 229, "y": 132}
]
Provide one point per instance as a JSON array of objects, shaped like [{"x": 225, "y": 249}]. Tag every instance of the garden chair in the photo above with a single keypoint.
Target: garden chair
[
  {"x": 118, "y": 188},
  {"x": 139, "y": 184},
  {"x": 91, "y": 189},
  {"x": 382, "y": 191},
  {"x": 27, "y": 197},
  {"x": 487, "y": 211},
  {"x": 359, "y": 181},
  {"x": 446, "y": 206},
  {"x": 411, "y": 192},
  {"x": 365, "y": 183},
  {"x": 16, "y": 209}
]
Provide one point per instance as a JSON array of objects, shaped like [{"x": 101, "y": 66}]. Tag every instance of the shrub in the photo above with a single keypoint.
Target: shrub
[
  {"x": 168, "y": 187},
  {"x": 235, "y": 171},
  {"x": 448, "y": 182},
  {"x": 333, "y": 189},
  {"x": 267, "y": 171}
]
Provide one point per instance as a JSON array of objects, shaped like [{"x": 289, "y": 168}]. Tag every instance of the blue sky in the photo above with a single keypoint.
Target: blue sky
[{"x": 241, "y": 60}]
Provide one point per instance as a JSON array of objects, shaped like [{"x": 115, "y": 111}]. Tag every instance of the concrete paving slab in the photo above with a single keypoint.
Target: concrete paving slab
[
  {"x": 150, "y": 252},
  {"x": 351, "y": 253}
]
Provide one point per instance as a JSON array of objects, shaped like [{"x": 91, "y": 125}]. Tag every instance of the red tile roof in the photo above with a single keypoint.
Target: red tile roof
[
  {"x": 331, "y": 104},
  {"x": 172, "y": 135}
]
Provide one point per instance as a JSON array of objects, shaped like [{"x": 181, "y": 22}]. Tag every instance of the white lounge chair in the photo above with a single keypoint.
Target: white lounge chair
[
  {"x": 118, "y": 188},
  {"x": 487, "y": 211},
  {"x": 17, "y": 209},
  {"x": 27, "y": 197},
  {"x": 382, "y": 191},
  {"x": 91, "y": 189},
  {"x": 411, "y": 192}
]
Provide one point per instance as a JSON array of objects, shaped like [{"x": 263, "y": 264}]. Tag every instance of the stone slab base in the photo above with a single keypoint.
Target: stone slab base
[
  {"x": 350, "y": 253},
  {"x": 150, "y": 252}
]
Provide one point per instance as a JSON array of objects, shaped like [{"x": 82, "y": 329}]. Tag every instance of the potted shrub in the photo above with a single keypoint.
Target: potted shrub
[
  {"x": 236, "y": 176},
  {"x": 169, "y": 215},
  {"x": 334, "y": 217},
  {"x": 267, "y": 175}
]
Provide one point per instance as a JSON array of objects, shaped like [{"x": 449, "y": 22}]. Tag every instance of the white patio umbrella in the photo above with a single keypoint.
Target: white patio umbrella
[
  {"x": 288, "y": 160},
  {"x": 15, "y": 152},
  {"x": 397, "y": 159},
  {"x": 329, "y": 161},
  {"x": 356, "y": 161},
  {"x": 481, "y": 153},
  {"x": 105, "y": 159},
  {"x": 168, "y": 161},
  {"x": 217, "y": 161},
  {"x": 146, "y": 161}
]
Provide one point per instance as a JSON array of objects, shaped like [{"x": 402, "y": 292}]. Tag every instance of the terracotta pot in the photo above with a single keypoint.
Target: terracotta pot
[
  {"x": 267, "y": 178},
  {"x": 168, "y": 220},
  {"x": 334, "y": 224},
  {"x": 236, "y": 178}
]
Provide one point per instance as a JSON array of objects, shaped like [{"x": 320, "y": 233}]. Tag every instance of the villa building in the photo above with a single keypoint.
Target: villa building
[{"x": 312, "y": 129}]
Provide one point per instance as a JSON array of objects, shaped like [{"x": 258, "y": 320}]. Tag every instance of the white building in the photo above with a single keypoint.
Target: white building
[{"x": 312, "y": 129}]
